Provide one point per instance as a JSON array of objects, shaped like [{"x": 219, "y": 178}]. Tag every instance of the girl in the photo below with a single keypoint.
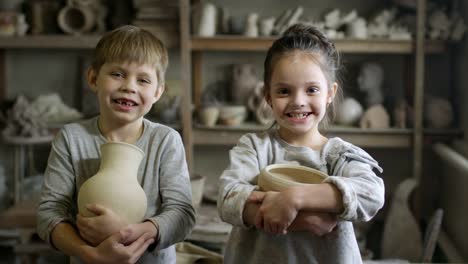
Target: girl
[{"x": 310, "y": 224}]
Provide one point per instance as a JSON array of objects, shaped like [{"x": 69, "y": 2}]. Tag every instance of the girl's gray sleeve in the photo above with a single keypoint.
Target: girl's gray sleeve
[
  {"x": 362, "y": 190},
  {"x": 237, "y": 182},
  {"x": 177, "y": 215},
  {"x": 58, "y": 189}
]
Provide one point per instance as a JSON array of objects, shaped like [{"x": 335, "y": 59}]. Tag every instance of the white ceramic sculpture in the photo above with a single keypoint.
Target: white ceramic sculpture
[
  {"x": 266, "y": 26},
  {"x": 277, "y": 177},
  {"x": 115, "y": 185},
  {"x": 370, "y": 81},
  {"x": 251, "y": 28},
  {"x": 207, "y": 26},
  {"x": 357, "y": 29},
  {"x": 348, "y": 112}
]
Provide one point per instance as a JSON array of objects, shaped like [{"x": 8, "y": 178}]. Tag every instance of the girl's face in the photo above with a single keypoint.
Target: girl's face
[
  {"x": 126, "y": 91},
  {"x": 299, "y": 94}
]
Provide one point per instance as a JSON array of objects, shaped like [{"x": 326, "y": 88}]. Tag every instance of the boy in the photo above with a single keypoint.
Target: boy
[{"x": 128, "y": 77}]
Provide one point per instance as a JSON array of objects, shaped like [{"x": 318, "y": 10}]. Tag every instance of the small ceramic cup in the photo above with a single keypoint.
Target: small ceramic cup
[
  {"x": 277, "y": 177},
  {"x": 208, "y": 115}
]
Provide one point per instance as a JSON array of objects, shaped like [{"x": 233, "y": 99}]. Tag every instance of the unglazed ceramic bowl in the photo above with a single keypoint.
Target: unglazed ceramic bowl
[
  {"x": 277, "y": 177},
  {"x": 232, "y": 115}
]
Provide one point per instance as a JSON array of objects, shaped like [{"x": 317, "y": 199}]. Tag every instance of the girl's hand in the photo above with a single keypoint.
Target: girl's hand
[
  {"x": 276, "y": 213},
  {"x": 95, "y": 229},
  {"x": 318, "y": 224},
  {"x": 115, "y": 250}
]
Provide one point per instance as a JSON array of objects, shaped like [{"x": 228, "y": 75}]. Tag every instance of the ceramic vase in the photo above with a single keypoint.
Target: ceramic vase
[{"x": 115, "y": 185}]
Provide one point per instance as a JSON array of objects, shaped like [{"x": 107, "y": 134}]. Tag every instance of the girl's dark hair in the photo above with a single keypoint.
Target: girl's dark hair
[{"x": 307, "y": 39}]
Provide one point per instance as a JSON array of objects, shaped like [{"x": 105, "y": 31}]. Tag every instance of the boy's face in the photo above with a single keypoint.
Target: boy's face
[{"x": 126, "y": 91}]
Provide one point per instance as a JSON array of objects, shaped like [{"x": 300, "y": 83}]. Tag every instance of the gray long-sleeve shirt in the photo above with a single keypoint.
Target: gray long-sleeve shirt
[
  {"x": 162, "y": 174},
  {"x": 351, "y": 171}
]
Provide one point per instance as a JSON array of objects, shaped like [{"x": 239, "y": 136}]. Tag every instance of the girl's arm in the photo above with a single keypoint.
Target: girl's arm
[{"x": 317, "y": 223}]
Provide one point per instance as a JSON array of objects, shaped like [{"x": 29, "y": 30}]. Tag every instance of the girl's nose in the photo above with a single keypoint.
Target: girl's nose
[{"x": 299, "y": 99}]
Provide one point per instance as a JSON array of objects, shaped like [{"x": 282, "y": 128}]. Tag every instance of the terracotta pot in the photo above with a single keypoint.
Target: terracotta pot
[
  {"x": 277, "y": 177},
  {"x": 115, "y": 185}
]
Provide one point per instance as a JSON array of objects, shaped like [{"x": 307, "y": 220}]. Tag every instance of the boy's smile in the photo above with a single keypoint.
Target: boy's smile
[{"x": 126, "y": 91}]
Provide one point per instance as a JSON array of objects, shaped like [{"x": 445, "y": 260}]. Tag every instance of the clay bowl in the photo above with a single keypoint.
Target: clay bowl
[
  {"x": 232, "y": 115},
  {"x": 277, "y": 177}
]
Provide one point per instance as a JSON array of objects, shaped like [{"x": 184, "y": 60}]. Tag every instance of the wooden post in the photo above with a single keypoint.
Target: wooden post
[
  {"x": 3, "y": 80},
  {"x": 186, "y": 111},
  {"x": 419, "y": 90}
]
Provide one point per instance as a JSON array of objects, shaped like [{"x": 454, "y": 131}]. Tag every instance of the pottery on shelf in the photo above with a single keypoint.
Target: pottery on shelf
[
  {"x": 208, "y": 115},
  {"x": 232, "y": 115},
  {"x": 115, "y": 185},
  {"x": 277, "y": 177},
  {"x": 197, "y": 183}
]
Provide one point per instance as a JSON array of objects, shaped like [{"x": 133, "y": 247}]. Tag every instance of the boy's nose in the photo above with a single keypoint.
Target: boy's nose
[{"x": 128, "y": 86}]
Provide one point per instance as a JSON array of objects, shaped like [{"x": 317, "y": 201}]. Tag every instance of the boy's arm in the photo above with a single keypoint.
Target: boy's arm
[
  {"x": 176, "y": 217},
  {"x": 115, "y": 249}
]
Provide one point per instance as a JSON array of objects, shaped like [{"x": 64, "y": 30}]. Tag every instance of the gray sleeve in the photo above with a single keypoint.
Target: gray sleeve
[
  {"x": 177, "y": 216},
  {"x": 362, "y": 190},
  {"x": 237, "y": 182},
  {"x": 58, "y": 189}
]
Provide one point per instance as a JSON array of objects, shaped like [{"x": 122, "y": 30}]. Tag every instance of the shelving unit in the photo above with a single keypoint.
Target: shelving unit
[{"x": 414, "y": 50}]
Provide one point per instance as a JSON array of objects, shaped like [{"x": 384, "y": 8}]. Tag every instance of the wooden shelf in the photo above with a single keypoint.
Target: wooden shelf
[
  {"x": 62, "y": 42},
  {"x": 379, "y": 138},
  {"x": 50, "y": 41},
  {"x": 240, "y": 43}
]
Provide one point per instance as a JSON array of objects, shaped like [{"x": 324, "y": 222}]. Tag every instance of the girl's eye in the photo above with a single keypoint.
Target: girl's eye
[
  {"x": 312, "y": 90},
  {"x": 282, "y": 91}
]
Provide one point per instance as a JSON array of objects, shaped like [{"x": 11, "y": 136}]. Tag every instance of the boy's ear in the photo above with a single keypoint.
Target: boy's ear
[
  {"x": 91, "y": 77},
  {"x": 159, "y": 92}
]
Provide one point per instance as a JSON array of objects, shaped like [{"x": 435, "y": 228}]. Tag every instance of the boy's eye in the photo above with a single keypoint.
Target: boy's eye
[
  {"x": 116, "y": 74},
  {"x": 145, "y": 81}
]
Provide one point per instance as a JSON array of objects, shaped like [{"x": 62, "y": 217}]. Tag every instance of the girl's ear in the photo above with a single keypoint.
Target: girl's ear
[
  {"x": 91, "y": 77},
  {"x": 332, "y": 93},
  {"x": 159, "y": 92}
]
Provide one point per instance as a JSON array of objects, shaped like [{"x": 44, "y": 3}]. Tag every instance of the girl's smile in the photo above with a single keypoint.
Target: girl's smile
[{"x": 299, "y": 94}]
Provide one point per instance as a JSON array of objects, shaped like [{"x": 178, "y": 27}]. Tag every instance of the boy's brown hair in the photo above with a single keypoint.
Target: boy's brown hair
[{"x": 133, "y": 44}]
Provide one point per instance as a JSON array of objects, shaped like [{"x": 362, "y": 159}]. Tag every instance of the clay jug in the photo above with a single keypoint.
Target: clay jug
[
  {"x": 244, "y": 80},
  {"x": 115, "y": 185}
]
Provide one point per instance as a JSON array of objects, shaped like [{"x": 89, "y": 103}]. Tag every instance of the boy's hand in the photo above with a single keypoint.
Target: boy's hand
[
  {"x": 115, "y": 249},
  {"x": 147, "y": 230},
  {"x": 95, "y": 229},
  {"x": 318, "y": 224},
  {"x": 276, "y": 213}
]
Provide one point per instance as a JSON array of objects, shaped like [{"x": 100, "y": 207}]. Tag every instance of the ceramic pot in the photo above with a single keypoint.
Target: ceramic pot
[
  {"x": 208, "y": 115},
  {"x": 277, "y": 177},
  {"x": 115, "y": 185},
  {"x": 244, "y": 81}
]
